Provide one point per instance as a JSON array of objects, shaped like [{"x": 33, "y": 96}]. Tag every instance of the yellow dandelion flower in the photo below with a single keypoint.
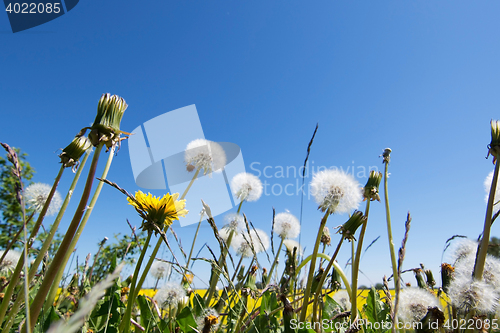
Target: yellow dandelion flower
[{"x": 158, "y": 211}]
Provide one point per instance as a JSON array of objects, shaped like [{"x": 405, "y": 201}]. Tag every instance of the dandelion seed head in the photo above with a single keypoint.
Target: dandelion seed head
[
  {"x": 286, "y": 225},
  {"x": 468, "y": 294},
  {"x": 205, "y": 154},
  {"x": 462, "y": 249},
  {"x": 209, "y": 317},
  {"x": 246, "y": 186},
  {"x": 290, "y": 244},
  {"x": 336, "y": 191},
  {"x": 413, "y": 304},
  {"x": 36, "y": 195},
  {"x": 170, "y": 295},
  {"x": 241, "y": 243},
  {"x": 343, "y": 299},
  {"x": 160, "y": 269},
  {"x": 234, "y": 222},
  {"x": 10, "y": 261}
]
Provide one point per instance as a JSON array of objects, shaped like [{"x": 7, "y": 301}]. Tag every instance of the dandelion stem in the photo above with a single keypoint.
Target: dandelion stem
[
  {"x": 237, "y": 269},
  {"x": 190, "y": 183},
  {"x": 37, "y": 304},
  {"x": 389, "y": 228},
  {"x": 355, "y": 267},
  {"x": 194, "y": 241},
  {"x": 125, "y": 324},
  {"x": 483, "y": 245},
  {"x": 274, "y": 262},
  {"x": 310, "y": 278}
]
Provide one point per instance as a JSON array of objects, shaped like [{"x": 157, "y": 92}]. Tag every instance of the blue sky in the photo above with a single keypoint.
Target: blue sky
[{"x": 419, "y": 77}]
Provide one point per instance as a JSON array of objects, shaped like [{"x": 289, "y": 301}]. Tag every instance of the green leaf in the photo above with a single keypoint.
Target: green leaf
[
  {"x": 51, "y": 318},
  {"x": 185, "y": 320},
  {"x": 198, "y": 304}
]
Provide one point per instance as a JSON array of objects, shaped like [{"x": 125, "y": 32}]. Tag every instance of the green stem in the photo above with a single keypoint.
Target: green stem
[
  {"x": 125, "y": 324},
  {"x": 237, "y": 269},
  {"x": 81, "y": 226},
  {"x": 275, "y": 262},
  {"x": 14, "y": 239},
  {"x": 483, "y": 247},
  {"x": 194, "y": 241},
  {"x": 389, "y": 228},
  {"x": 46, "y": 244},
  {"x": 355, "y": 267},
  {"x": 37, "y": 304},
  {"x": 148, "y": 266},
  {"x": 190, "y": 183},
  {"x": 310, "y": 278},
  {"x": 323, "y": 277},
  {"x": 17, "y": 272}
]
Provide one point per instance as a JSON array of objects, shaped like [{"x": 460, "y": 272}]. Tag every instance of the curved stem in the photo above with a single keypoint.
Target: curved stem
[
  {"x": 355, "y": 267},
  {"x": 310, "y": 278},
  {"x": 389, "y": 228},
  {"x": 274, "y": 263}
]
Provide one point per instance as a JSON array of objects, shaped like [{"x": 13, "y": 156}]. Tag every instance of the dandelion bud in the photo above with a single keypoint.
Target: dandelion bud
[
  {"x": 430, "y": 278},
  {"x": 420, "y": 279},
  {"x": 349, "y": 228},
  {"x": 433, "y": 320},
  {"x": 106, "y": 127},
  {"x": 371, "y": 188},
  {"x": 70, "y": 155},
  {"x": 251, "y": 279},
  {"x": 325, "y": 237},
  {"x": 447, "y": 272},
  {"x": 387, "y": 155}
]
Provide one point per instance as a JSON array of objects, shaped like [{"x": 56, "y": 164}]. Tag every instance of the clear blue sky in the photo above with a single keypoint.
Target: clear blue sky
[{"x": 420, "y": 77}]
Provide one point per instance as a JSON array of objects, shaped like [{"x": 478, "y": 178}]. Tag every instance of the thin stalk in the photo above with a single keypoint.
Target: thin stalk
[
  {"x": 389, "y": 228},
  {"x": 274, "y": 263},
  {"x": 237, "y": 269},
  {"x": 17, "y": 272},
  {"x": 14, "y": 240},
  {"x": 310, "y": 278},
  {"x": 81, "y": 226},
  {"x": 483, "y": 246},
  {"x": 48, "y": 240},
  {"x": 194, "y": 241},
  {"x": 148, "y": 267},
  {"x": 37, "y": 304},
  {"x": 355, "y": 267},
  {"x": 190, "y": 183},
  {"x": 125, "y": 324},
  {"x": 323, "y": 277}
]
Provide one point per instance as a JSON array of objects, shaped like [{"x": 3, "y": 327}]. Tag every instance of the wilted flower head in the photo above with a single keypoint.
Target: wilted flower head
[
  {"x": 343, "y": 299},
  {"x": 487, "y": 187},
  {"x": 326, "y": 239},
  {"x": 290, "y": 244},
  {"x": 159, "y": 211},
  {"x": 246, "y": 186},
  {"x": 348, "y": 229},
  {"x": 160, "y": 269},
  {"x": 10, "y": 261},
  {"x": 36, "y": 195},
  {"x": 469, "y": 294},
  {"x": 208, "y": 321},
  {"x": 286, "y": 225},
  {"x": 234, "y": 222},
  {"x": 371, "y": 188},
  {"x": 70, "y": 155},
  {"x": 206, "y": 155},
  {"x": 413, "y": 304},
  {"x": 170, "y": 295},
  {"x": 106, "y": 127},
  {"x": 258, "y": 239},
  {"x": 336, "y": 191}
]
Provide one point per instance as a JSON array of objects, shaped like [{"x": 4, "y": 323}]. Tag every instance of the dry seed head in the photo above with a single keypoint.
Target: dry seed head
[
  {"x": 206, "y": 155},
  {"x": 286, "y": 225},
  {"x": 37, "y": 194}
]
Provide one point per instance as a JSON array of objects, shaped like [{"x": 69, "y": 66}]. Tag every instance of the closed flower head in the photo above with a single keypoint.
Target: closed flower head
[
  {"x": 336, "y": 191},
  {"x": 158, "y": 211},
  {"x": 70, "y": 155},
  {"x": 106, "y": 127},
  {"x": 206, "y": 155},
  {"x": 286, "y": 225},
  {"x": 246, "y": 187},
  {"x": 36, "y": 195}
]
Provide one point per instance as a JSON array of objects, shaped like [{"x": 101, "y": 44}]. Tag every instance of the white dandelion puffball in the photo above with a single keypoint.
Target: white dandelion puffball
[
  {"x": 463, "y": 248},
  {"x": 205, "y": 154},
  {"x": 36, "y": 195},
  {"x": 468, "y": 294},
  {"x": 170, "y": 295},
  {"x": 336, "y": 191},
  {"x": 160, "y": 269},
  {"x": 290, "y": 244},
  {"x": 234, "y": 222},
  {"x": 246, "y": 186},
  {"x": 210, "y": 317},
  {"x": 286, "y": 225},
  {"x": 241, "y": 243},
  {"x": 343, "y": 299},
  {"x": 413, "y": 304},
  {"x": 10, "y": 261}
]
